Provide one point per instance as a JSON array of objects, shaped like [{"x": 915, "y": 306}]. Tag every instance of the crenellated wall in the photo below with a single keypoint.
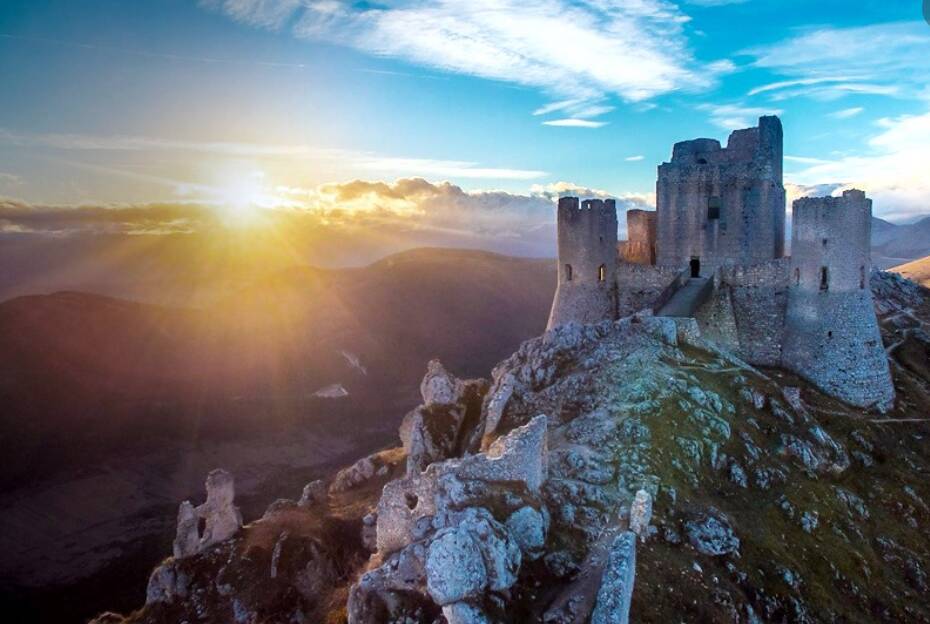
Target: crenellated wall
[
  {"x": 831, "y": 331},
  {"x": 587, "y": 244}
]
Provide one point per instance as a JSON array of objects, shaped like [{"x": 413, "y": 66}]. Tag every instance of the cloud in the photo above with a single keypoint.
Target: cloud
[
  {"x": 827, "y": 63},
  {"x": 580, "y": 50},
  {"x": 9, "y": 179},
  {"x": 893, "y": 172},
  {"x": 575, "y": 123},
  {"x": 846, "y": 113},
  {"x": 736, "y": 116},
  {"x": 634, "y": 158}
]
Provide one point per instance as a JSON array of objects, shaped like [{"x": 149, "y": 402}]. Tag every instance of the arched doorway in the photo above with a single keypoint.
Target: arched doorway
[{"x": 695, "y": 267}]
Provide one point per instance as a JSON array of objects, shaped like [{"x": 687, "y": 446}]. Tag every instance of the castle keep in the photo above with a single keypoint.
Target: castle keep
[{"x": 714, "y": 250}]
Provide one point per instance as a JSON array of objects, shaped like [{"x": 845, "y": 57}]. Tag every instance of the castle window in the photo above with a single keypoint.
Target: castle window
[
  {"x": 568, "y": 272},
  {"x": 797, "y": 277},
  {"x": 602, "y": 273},
  {"x": 713, "y": 208},
  {"x": 824, "y": 279},
  {"x": 862, "y": 278},
  {"x": 829, "y": 334},
  {"x": 825, "y": 242}
]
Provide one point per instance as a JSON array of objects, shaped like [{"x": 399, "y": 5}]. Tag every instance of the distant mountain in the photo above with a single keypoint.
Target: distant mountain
[
  {"x": 894, "y": 244},
  {"x": 918, "y": 270}
]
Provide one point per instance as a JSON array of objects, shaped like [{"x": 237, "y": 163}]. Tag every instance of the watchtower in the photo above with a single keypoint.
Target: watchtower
[
  {"x": 587, "y": 245},
  {"x": 831, "y": 331}
]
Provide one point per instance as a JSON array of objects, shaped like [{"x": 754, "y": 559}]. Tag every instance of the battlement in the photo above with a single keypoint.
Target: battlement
[
  {"x": 571, "y": 210},
  {"x": 762, "y": 143}
]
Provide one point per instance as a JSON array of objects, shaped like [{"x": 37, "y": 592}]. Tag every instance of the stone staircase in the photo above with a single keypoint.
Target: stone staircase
[{"x": 687, "y": 299}]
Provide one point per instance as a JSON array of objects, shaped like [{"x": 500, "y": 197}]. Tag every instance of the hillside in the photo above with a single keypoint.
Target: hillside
[
  {"x": 894, "y": 244},
  {"x": 104, "y": 396},
  {"x": 769, "y": 500},
  {"x": 918, "y": 270}
]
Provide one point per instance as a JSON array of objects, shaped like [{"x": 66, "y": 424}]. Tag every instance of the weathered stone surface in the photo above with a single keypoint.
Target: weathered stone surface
[
  {"x": 464, "y": 613},
  {"x": 455, "y": 569},
  {"x": 529, "y": 528},
  {"x": 439, "y": 386},
  {"x": 711, "y": 534},
  {"x": 166, "y": 584},
  {"x": 222, "y": 518},
  {"x": 616, "y": 592},
  {"x": 641, "y": 514},
  {"x": 353, "y": 476},
  {"x": 313, "y": 493}
]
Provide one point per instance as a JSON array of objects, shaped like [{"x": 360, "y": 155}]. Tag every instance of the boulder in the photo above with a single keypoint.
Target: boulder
[
  {"x": 313, "y": 494},
  {"x": 439, "y": 386},
  {"x": 455, "y": 568},
  {"x": 711, "y": 534},
  {"x": 221, "y": 517},
  {"x": 464, "y": 613},
  {"x": 529, "y": 528},
  {"x": 641, "y": 514},
  {"x": 353, "y": 476}
]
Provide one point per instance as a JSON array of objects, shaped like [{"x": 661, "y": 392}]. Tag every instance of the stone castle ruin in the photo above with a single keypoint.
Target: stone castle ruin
[{"x": 714, "y": 250}]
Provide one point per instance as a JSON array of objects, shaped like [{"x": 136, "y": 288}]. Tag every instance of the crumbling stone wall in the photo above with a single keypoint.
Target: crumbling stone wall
[
  {"x": 639, "y": 286},
  {"x": 587, "y": 242},
  {"x": 831, "y": 331},
  {"x": 723, "y": 205}
]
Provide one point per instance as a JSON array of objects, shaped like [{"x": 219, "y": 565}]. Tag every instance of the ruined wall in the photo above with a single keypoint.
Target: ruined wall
[
  {"x": 587, "y": 243},
  {"x": 640, "y": 246},
  {"x": 639, "y": 286},
  {"x": 723, "y": 205},
  {"x": 747, "y": 310},
  {"x": 831, "y": 332}
]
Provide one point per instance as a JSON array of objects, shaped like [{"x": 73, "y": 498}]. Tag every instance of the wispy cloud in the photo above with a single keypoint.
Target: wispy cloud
[
  {"x": 578, "y": 50},
  {"x": 846, "y": 113},
  {"x": 365, "y": 161},
  {"x": 736, "y": 116},
  {"x": 827, "y": 63},
  {"x": 633, "y": 158},
  {"x": 575, "y": 123}
]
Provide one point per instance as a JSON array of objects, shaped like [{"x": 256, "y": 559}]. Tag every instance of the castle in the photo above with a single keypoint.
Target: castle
[{"x": 714, "y": 250}]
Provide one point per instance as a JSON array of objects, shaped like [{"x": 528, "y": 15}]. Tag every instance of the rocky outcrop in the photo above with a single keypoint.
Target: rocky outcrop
[
  {"x": 438, "y": 538},
  {"x": 221, "y": 518},
  {"x": 313, "y": 493},
  {"x": 442, "y": 427}
]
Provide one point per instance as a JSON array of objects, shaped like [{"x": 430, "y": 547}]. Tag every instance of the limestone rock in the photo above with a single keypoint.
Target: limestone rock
[
  {"x": 222, "y": 518},
  {"x": 313, "y": 494},
  {"x": 521, "y": 455},
  {"x": 464, "y": 613},
  {"x": 455, "y": 569},
  {"x": 439, "y": 386},
  {"x": 616, "y": 591},
  {"x": 353, "y": 476},
  {"x": 641, "y": 514},
  {"x": 166, "y": 584},
  {"x": 529, "y": 527},
  {"x": 711, "y": 534}
]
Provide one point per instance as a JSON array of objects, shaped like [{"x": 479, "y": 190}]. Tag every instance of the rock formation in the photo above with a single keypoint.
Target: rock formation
[{"x": 221, "y": 518}]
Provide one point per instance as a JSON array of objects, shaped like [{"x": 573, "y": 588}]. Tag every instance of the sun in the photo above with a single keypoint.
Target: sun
[{"x": 242, "y": 200}]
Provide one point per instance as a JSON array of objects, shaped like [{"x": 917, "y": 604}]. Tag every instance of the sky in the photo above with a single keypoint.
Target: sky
[{"x": 464, "y": 118}]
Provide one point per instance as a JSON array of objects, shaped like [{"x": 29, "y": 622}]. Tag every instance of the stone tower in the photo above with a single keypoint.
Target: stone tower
[
  {"x": 587, "y": 244},
  {"x": 831, "y": 331},
  {"x": 718, "y": 206}
]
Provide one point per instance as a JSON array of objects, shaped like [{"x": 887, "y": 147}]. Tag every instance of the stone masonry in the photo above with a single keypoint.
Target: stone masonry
[{"x": 720, "y": 216}]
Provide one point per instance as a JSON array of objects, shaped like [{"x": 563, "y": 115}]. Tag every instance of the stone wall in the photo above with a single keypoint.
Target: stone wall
[
  {"x": 831, "y": 332},
  {"x": 587, "y": 244},
  {"x": 640, "y": 286},
  {"x": 723, "y": 205},
  {"x": 747, "y": 310}
]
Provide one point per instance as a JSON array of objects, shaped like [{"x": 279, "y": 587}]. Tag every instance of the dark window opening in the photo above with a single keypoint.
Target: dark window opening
[
  {"x": 713, "y": 208},
  {"x": 824, "y": 279},
  {"x": 824, "y": 242},
  {"x": 600, "y": 239},
  {"x": 695, "y": 267},
  {"x": 797, "y": 277},
  {"x": 602, "y": 273},
  {"x": 862, "y": 278},
  {"x": 201, "y": 526},
  {"x": 702, "y": 161},
  {"x": 829, "y": 334},
  {"x": 568, "y": 272},
  {"x": 411, "y": 500}
]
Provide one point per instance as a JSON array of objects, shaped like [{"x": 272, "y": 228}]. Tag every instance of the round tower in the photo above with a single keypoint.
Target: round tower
[
  {"x": 831, "y": 331},
  {"x": 587, "y": 240}
]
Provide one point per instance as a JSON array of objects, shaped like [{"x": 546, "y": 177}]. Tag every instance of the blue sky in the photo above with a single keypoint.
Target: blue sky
[{"x": 284, "y": 101}]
